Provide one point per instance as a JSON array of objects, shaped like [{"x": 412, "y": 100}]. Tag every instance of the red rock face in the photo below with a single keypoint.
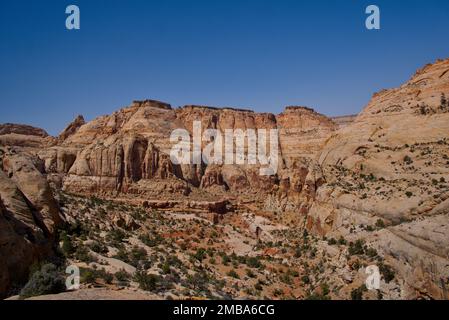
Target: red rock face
[
  {"x": 72, "y": 128},
  {"x": 9, "y": 128},
  {"x": 131, "y": 147}
]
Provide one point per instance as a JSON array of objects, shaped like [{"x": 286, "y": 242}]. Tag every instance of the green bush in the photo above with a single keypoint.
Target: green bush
[
  {"x": 305, "y": 279},
  {"x": 356, "y": 248},
  {"x": 342, "y": 241},
  {"x": 371, "y": 252},
  {"x": 408, "y": 160},
  {"x": 285, "y": 278},
  {"x": 137, "y": 255},
  {"x": 151, "y": 242},
  {"x": 199, "y": 281},
  {"x": 357, "y": 294},
  {"x": 225, "y": 259},
  {"x": 98, "y": 247},
  {"x": 122, "y": 276},
  {"x": 166, "y": 268},
  {"x": 147, "y": 282},
  {"x": 67, "y": 247},
  {"x": 116, "y": 236},
  {"x": 48, "y": 280},
  {"x": 258, "y": 286},
  {"x": 82, "y": 254},
  {"x": 253, "y": 262},
  {"x": 92, "y": 275},
  {"x": 233, "y": 274},
  {"x": 380, "y": 224},
  {"x": 250, "y": 273},
  {"x": 387, "y": 272},
  {"x": 200, "y": 254}
]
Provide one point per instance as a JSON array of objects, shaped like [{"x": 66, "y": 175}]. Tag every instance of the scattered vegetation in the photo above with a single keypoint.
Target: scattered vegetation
[{"x": 47, "y": 280}]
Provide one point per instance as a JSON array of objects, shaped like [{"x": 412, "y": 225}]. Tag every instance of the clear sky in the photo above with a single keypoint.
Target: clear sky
[{"x": 254, "y": 54}]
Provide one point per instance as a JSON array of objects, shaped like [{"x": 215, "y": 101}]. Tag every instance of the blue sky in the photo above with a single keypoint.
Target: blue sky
[{"x": 254, "y": 54}]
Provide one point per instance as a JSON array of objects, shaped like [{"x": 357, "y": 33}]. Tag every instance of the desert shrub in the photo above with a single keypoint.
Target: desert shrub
[
  {"x": 408, "y": 160},
  {"x": 82, "y": 254},
  {"x": 342, "y": 241},
  {"x": 409, "y": 194},
  {"x": 136, "y": 255},
  {"x": 174, "y": 261},
  {"x": 285, "y": 278},
  {"x": 48, "y": 280},
  {"x": 325, "y": 289},
  {"x": 316, "y": 296},
  {"x": 75, "y": 228},
  {"x": 116, "y": 236},
  {"x": 92, "y": 275},
  {"x": 253, "y": 262},
  {"x": 387, "y": 272},
  {"x": 356, "y": 248},
  {"x": 152, "y": 241},
  {"x": 380, "y": 224},
  {"x": 233, "y": 274},
  {"x": 258, "y": 286},
  {"x": 98, "y": 247},
  {"x": 166, "y": 268},
  {"x": 278, "y": 292},
  {"x": 96, "y": 201},
  {"x": 199, "y": 281},
  {"x": 122, "y": 276},
  {"x": 122, "y": 255},
  {"x": 225, "y": 259},
  {"x": 147, "y": 282},
  {"x": 250, "y": 273},
  {"x": 305, "y": 279},
  {"x": 357, "y": 294},
  {"x": 200, "y": 254},
  {"x": 331, "y": 241},
  {"x": 371, "y": 252},
  {"x": 67, "y": 247}
]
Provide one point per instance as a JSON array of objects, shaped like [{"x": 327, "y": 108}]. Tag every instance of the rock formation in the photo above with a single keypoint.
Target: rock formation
[
  {"x": 10, "y": 128},
  {"x": 336, "y": 177},
  {"x": 24, "y": 237},
  {"x": 72, "y": 128},
  {"x": 391, "y": 164}
]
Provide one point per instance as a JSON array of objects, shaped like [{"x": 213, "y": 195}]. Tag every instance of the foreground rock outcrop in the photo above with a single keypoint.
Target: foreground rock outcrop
[{"x": 24, "y": 237}]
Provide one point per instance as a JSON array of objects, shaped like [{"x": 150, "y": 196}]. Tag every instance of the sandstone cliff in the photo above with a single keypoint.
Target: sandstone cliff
[
  {"x": 24, "y": 236},
  {"x": 391, "y": 164}
]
